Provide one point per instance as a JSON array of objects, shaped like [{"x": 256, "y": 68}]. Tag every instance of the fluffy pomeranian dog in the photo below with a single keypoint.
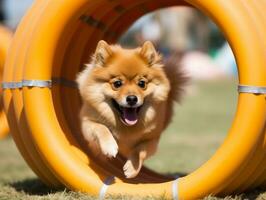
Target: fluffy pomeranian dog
[{"x": 128, "y": 97}]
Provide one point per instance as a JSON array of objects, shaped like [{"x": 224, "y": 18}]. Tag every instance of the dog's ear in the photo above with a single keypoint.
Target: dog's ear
[
  {"x": 150, "y": 54},
  {"x": 102, "y": 53}
]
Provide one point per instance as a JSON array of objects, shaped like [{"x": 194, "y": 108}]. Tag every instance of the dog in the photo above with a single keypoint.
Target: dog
[{"x": 128, "y": 97}]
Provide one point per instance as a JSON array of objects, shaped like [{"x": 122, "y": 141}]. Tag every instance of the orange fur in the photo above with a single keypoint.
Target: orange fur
[{"x": 101, "y": 121}]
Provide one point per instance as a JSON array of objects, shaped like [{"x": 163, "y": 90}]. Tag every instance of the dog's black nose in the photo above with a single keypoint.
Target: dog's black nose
[{"x": 132, "y": 100}]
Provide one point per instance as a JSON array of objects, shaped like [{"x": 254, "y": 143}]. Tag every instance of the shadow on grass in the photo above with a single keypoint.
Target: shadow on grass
[
  {"x": 177, "y": 174},
  {"x": 255, "y": 194},
  {"x": 33, "y": 187}
]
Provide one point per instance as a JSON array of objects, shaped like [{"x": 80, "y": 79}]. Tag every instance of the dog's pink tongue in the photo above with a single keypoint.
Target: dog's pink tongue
[{"x": 130, "y": 116}]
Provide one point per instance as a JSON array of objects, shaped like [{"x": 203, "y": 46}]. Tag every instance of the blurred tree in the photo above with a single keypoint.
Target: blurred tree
[
  {"x": 216, "y": 40},
  {"x": 2, "y": 15}
]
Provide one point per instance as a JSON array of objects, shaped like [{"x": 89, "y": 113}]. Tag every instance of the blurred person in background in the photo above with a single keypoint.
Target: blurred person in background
[{"x": 185, "y": 29}]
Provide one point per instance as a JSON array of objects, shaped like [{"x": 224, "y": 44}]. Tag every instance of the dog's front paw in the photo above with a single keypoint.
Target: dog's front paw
[
  {"x": 109, "y": 147},
  {"x": 130, "y": 170}
]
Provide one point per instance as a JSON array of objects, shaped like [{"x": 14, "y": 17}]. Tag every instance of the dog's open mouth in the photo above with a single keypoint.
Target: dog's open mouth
[{"x": 128, "y": 115}]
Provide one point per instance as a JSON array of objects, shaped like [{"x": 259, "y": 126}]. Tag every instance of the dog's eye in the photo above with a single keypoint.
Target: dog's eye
[
  {"x": 142, "y": 84},
  {"x": 117, "y": 84}
]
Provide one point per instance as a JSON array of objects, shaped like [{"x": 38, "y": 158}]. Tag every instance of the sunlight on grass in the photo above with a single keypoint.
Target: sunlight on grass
[{"x": 198, "y": 128}]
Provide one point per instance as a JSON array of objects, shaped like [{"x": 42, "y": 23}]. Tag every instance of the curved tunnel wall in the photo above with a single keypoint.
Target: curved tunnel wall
[
  {"x": 5, "y": 40},
  {"x": 43, "y": 48}
]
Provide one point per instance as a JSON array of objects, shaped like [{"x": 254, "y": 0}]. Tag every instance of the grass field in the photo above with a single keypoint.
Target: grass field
[{"x": 199, "y": 127}]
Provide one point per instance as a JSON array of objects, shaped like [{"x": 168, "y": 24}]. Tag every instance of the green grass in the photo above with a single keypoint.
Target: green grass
[{"x": 200, "y": 125}]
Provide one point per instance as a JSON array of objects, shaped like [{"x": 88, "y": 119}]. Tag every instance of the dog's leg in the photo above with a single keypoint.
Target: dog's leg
[
  {"x": 100, "y": 138},
  {"x": 135, "y": 161}
]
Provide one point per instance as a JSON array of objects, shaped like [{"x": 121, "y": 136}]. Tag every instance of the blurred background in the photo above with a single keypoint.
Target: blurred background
[
  {"x": 202, "y": 120},
  {"x": 188, "y": 35},
  {"x": 180, "y": 31}
]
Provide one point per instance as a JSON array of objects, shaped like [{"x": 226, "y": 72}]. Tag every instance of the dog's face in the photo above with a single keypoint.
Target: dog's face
[{"x": 125, "y": 84}]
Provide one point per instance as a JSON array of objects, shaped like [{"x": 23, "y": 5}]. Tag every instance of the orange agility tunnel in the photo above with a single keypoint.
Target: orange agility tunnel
[
  {"x": 51, "y": 44},
  {"x": 5, "y": 40}
]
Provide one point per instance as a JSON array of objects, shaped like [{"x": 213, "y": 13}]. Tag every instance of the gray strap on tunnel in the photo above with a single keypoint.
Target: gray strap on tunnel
[
  {"x": 11, "y": 85},
  {"x": 108, "y": 181},
  {"x": 39, "y": 83},
  {"x": 251, "y": 89},
  {"x": 175, "y": 189}
]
